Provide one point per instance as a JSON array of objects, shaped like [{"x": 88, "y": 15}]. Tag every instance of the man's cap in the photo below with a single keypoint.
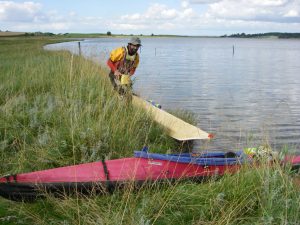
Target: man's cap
[{"x": 135, "y": 41}]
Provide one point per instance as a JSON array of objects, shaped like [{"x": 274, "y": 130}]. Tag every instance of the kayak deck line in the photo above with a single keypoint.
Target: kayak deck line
[{"x": 175, "y": 127}]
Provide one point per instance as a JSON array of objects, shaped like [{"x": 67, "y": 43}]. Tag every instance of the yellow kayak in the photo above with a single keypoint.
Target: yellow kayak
[{"x": 175, "y": 127}]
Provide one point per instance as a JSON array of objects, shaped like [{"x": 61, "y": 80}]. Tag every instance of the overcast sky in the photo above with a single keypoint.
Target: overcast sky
[{"x": 181, "y": 17}]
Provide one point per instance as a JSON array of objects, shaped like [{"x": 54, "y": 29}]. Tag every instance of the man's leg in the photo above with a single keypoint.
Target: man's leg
[
  {"x": 112, "y": 80},
  {"x": 127, "y": 92}
]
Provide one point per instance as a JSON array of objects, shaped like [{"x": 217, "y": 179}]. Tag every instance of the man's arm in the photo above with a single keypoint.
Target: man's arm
[
  {"x": 111, "y": 65},
  {"x": 115, "y": 57}
]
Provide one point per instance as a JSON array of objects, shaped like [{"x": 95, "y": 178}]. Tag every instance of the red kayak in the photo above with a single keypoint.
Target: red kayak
[{"x": 105, "y": 176}]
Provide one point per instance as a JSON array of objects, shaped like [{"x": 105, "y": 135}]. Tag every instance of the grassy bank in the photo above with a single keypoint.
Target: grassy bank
[
  {"x": 57, "y": 109},
  {"x": 11, "y": 34}
]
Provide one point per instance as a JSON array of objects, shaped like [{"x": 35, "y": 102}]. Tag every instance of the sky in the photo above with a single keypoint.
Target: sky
[{"x": 175, "y": 17}]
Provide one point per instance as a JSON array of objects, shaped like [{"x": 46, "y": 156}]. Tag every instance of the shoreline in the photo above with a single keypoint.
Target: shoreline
[{"x": 267, "y": 35}]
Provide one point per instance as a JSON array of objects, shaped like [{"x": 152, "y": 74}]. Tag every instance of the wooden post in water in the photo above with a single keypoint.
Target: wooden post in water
[
  {"x": 232, "y": 49},
  {"x": 79, "y": 47}
]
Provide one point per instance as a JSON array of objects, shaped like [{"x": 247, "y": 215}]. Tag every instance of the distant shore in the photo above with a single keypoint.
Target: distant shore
[
  {"x": 11, "y": 34},
  {"x": 273, "y": 35}
]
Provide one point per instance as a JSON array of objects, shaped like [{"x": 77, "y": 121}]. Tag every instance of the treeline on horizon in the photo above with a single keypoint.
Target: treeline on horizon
[
  {"x": 108, "y": 33},
  {"x": 262, "y": 35},
  {"x": 238, "y": 35}
]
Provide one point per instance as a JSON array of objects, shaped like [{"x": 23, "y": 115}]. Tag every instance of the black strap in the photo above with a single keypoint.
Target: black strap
[
  {"x": 109, "y": 185},
  {"x": 105, "y": 169}
]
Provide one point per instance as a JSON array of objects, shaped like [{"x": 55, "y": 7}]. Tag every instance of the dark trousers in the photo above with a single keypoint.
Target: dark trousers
[{"x": 112, "y": 80}]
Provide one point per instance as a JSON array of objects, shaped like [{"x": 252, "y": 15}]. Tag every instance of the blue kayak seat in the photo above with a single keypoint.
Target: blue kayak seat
[{"x": 207, "y": 158}]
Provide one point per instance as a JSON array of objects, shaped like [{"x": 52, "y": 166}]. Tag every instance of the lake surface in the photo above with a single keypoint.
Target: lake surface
[{"x": 245, "y": 91}]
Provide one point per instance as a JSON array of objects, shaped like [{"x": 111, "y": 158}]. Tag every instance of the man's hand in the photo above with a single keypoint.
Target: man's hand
[{"x": 117, "y": 74}]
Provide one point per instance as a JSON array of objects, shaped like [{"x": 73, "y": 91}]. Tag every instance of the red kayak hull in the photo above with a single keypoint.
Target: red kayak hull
[
  {"x": 106, "y": 176},
  {"x": 103, "y": 176}
]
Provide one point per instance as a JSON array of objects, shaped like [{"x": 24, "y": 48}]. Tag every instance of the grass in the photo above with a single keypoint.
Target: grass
[
  {"x": 57, "y": 109},
  {"x": 11, "y": 34}
]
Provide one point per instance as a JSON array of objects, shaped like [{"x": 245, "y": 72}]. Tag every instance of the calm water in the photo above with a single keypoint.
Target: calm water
[{"x": 244, "y": 97}]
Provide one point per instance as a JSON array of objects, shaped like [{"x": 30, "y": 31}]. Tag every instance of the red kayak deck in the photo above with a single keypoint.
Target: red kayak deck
[
  {"x": 104, "y": 176},
  {"x": 125, "y": 169}
]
